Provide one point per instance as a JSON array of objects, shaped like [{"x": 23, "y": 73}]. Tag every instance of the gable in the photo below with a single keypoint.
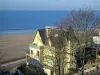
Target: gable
[{"x": 37, "y": 39}]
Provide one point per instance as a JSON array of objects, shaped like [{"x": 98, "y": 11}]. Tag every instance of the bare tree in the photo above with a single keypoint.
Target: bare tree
[
  {"x": 78, "y": 30},
  {"x": 56, "y": 51},
  {"x": 59, "y": 48},
  {"x": 58, "y": 42},
  {"x": 83, "y": 22}
]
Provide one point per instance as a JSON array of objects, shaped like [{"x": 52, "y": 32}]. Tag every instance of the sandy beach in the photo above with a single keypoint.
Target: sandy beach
[{"x": 14, "y": 46}]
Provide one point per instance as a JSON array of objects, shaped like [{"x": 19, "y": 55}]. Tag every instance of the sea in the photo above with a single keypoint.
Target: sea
[{"x": 14, "y": 21}]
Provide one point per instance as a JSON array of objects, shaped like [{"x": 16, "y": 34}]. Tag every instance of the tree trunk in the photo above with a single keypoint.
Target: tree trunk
[
  {"x": 59, "y": 69},
  {"x": 96, "y": 58},
  {"x": 83, "y": 62}
]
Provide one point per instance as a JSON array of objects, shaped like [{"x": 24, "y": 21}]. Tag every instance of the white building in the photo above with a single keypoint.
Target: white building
[{"x": 96, "y": 40}]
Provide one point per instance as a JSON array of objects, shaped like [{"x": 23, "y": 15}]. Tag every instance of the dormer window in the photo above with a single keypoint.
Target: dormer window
[
  {"x": 35, "y": 52},
  {"x": 38, "y": 53}
]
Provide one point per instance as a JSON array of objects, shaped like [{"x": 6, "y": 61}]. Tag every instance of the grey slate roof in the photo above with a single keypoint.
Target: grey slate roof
[{"x": 43, "y": 36}]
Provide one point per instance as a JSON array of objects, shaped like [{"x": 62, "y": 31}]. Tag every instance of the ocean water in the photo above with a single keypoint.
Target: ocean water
[
  {"x": 18, "y": 31},
  {"x": 11, "y": 21}
]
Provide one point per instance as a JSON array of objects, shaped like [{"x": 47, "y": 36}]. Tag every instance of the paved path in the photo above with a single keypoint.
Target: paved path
[{"x": 10, "y": 65}]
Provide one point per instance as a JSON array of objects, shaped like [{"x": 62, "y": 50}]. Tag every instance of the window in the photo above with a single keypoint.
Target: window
[
  {"x": 38, "y": 53},
  {"x": 31, "y": 52},
  {"x": 52, "y": 72}
]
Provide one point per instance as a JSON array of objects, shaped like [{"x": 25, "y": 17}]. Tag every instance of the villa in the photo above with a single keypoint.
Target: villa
[{"x": 37, "y": 50}]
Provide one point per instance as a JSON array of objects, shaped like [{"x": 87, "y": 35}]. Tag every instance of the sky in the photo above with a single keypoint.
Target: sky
[{"x": 48, "y": 4}]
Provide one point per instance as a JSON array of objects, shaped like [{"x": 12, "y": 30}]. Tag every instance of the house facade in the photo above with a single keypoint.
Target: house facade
[
  {"x": 96, "y": 40},
  {"x": 38, "y": 51}
]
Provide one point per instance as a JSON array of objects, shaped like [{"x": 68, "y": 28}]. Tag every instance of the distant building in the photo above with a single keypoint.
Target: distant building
[{"x": 96, "y": 40}]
